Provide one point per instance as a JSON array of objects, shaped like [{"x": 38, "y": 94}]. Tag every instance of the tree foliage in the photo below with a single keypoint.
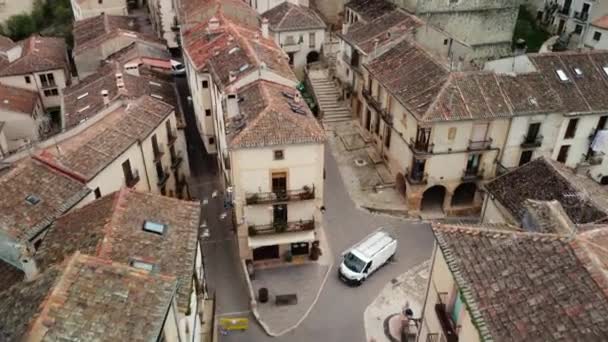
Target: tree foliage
[{"x": 52, "y": 17}]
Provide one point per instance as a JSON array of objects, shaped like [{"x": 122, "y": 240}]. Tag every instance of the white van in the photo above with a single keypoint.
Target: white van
[{"x": 367, "y": 256}]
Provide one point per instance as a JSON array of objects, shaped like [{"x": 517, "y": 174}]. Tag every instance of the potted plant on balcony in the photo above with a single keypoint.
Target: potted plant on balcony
[
  {"x": 315, "y": 251},
  {"x": 307, "y": 193},
  {"x": 253, "y": 199}
]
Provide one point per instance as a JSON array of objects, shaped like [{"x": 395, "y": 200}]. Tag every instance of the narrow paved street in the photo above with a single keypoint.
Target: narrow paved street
[{"x": 338, "y": 315}]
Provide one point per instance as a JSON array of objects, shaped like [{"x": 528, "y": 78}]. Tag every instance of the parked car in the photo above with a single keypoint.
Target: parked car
[
  {"x": 177, "y": 68},
  {"x": 367, "y": 256}
]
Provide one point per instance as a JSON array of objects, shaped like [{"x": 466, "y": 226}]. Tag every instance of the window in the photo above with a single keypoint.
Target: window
[
  {"x": 571, "y": 129},
  {"x": 578, "y": 29},
  {"x": 32, "y": 199},
  {"x": 146, "y": 266},
  {"x": 525, "y": 157},
  {"x": 211, "y": 141},
  {"x": 291, "y": 57},
  {"x": 126, "y": 171},
  {"x": 563, "y": 153},
  {"x": 377, "y": 127},
  {"x": 51, "y": 92},
  {"x": 100, "y": 2},
  {"x": 387, "y": 138},
  {"x": 597, "y": 36},
  {"x": 97, "y": 193},
  {"x": 601, "y": 124},
  {"x": 278, "y": 155},
  {"x": 205, "y": 84},
  {"x": 445, "y": 41},
  {"x": 207, "y": 112},
  {"x": 279, "y": 182},
  {"x": 154, "y": 227},
  {"x": 28, "y": 80},
  {"x": 312, "y": 40},
  {"x": 452, "y": 133},
  {"x": 562, "y": 75}
]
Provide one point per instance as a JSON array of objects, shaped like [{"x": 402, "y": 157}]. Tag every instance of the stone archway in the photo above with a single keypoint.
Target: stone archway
[
  {"x": 313, "y": 56},
  {"x": 432, "y": 198},
  {"x": 464, "y": 194}
]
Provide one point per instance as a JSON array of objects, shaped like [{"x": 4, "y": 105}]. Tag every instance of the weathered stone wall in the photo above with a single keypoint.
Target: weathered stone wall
[
  {"x": 425, "y": 6},
  {"x": 330, "y": 9}
]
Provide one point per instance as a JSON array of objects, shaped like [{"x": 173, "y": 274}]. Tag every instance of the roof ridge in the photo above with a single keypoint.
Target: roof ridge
[
  {"x": 496, "y": 233},
  {"x": 104, "y": 247}
]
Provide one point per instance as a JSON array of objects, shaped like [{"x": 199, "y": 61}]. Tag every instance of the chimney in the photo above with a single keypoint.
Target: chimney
[
  {"x": 297, "y": 98},
  {"x": 265, "y": 33},
  {"x": 232, "y": 105},
  {"x": 214, "y": 23},
  {"x": 232, "y": 76},
  {"x": 28, "y": 264},
  {"x": 105, "y": 96},
  {"x": 120, "y": 83},
  {"x": 345, "y": 28}
]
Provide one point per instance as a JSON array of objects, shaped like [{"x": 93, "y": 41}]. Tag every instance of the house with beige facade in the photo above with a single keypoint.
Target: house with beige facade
[
  {"x": 596, "y": 36},
  {"x": 143, "y": 232},
  {"x": 132, "y": 144},
  {"x": 96, "y": 38},
  {"x": 83, "y": 9},
  {"x": 23, "y": 115},
  {"x": 276, "y": 153},
  {"x": 426, "y": 116},
  {"x": 500, "y": 282},
  {"x": 164, "y": 21},
  {"x": 39, "y": 64},
  {"x": 223, "y": 53},
  {"x": 298, "y": 30},
  {"x": 573, "y": 19}
]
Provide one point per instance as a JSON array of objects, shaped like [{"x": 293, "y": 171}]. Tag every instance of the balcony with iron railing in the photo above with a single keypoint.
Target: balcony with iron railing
[
  {"x": 132, "y": 179},
  {"x": 176, "y": 159},
  {"x": 532, "y": 141},
  {"x": 377, "y": 106},
  {"x": 171, "y": 137},
  {"x": 469, "y": 175},
  {"x": 447, "y": 326},
  {"x": 564, "y": 11},
  {"x": 306, "y": 193},
  {"x": 421, "y": 147},
  {"x": 414, "y": 177},
  {"x": 163, "y": 176},
  {"x": 480, "y": 144},
  {"x": 281, "y": 227},
  {"x": 159, "y": 152},
  {"x": 581, "y": 16}
]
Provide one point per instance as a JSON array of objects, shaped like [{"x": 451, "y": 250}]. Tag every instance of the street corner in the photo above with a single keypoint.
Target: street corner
[
  {"x": 381, "y": 317},
  {"x": 286, "y": 295}
]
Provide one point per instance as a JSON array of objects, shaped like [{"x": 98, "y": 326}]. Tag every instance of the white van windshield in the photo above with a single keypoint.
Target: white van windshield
[{"x": 353, "y": 263}]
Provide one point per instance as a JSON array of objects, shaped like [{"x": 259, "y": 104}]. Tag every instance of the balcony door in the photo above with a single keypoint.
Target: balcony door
[
  {"x": 533, "y": 130},
  {"x": 473, "y": 163},
  {"x": 279, "y": 213},
  {"x": 279, "y": 182}
]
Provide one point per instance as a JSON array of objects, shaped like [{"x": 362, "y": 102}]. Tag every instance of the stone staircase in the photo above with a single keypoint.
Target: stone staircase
[{"x": 327, "y": 97}]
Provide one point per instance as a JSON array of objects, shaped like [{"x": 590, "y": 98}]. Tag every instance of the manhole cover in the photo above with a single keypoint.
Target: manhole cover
[{"x": 360, "y": 162}]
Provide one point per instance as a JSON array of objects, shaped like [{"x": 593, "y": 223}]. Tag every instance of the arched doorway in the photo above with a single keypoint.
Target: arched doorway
[
  {"x": 464, "y": 194},
  {"x": 432, "y": 198},
  {"x": 313, "y": 56}
]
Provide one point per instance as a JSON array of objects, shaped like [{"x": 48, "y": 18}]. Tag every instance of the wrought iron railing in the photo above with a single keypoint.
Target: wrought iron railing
[
  {"x": 306, "y": 193},
  {"x": 281, "y": 227}
]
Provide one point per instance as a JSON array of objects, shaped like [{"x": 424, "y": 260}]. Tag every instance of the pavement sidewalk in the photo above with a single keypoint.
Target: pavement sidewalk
[{"x": 409, "y": 288}]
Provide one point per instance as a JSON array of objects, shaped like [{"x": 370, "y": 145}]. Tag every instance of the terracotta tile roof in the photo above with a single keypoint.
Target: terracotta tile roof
[
  {"x": 525, "y": 286},
  {"x": 601, "y": 22},
  {"x": 92, "y": 150},
  {"x": 234, "y": 49},
  {"x": 87, "y": 299},
  {"x": 9, "y": 276},
  {"x": 6, "y": 43},
  {"x": 57, "y": 192},
  {"x": 381, "y": 32},
  {"x": 139, "y": 50},
  {"x": 38, "y": 54},
  {"x": 290, "y": 17},
  {"x": 18, "y": 100},
  {"x": 431, "y": 92},
  {"x": 266, "y": 119},
  {"x": 112, "y": 228},
  {"x": 194, "y": 12},
  {"x": 96, "y": 30},
  {"x": 370, "y": 9},
  {"x": 85, "y": 100},
  {"x": 542, "y": 179}
]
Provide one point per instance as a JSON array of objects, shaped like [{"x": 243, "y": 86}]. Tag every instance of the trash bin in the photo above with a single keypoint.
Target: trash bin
[{"x": 263, "y": 295}]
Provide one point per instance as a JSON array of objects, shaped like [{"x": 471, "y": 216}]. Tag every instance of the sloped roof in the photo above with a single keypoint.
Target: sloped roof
[
  {"x": 92, "y": 150},
  {"x": 601, "y": 22},
  {"x": 426, "y": 87},
  {"x": 526, "y": 286},
  {"x": 6, "y": 43},
  {"x": 57, "y": 192},
  {"x": 370, "y": 9},
  {"x": 94, "y": 31},
  {"x": 267, "y": 119},
  {"x": 38, "y": 54},
  {"x": 87, "y": 299},
  {"x": 18, "y": 100},
  {"x": 291, "y": 17},
  {"x": 112, "y": 228},
  {"x": 543, "y": 179},
  {"x": 382, "y": 31},
  {"x": 84, "y": 100},
  {"x": 9, "y": 276}
]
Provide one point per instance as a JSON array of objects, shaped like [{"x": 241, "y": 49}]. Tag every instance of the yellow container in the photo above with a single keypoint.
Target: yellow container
[{"x": 234, "y": 323}]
